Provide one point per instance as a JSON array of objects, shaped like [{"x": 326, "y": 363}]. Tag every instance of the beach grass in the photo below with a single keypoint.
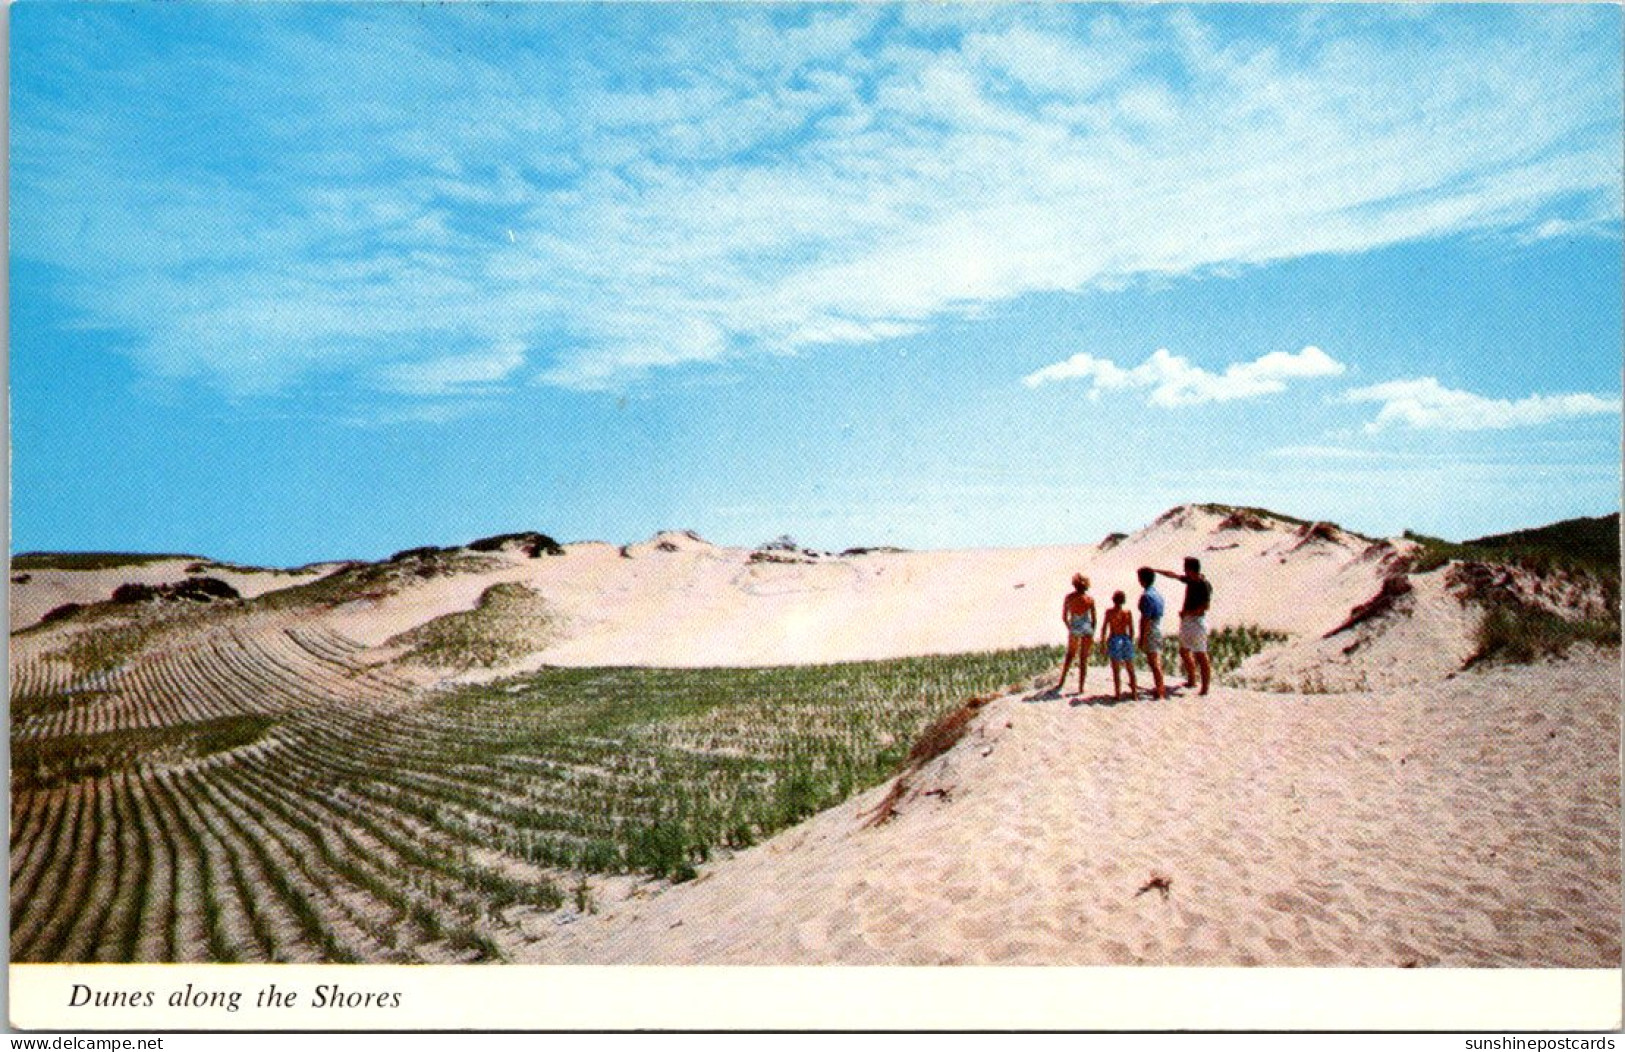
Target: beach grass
[
  {"x": 91, "y": 560},
  {"x": 1519, "y": 634},
  {"x": 1227, "y": 648},
  {"x": 651, "y": 770},
  {"x": 295, "y": 805}
]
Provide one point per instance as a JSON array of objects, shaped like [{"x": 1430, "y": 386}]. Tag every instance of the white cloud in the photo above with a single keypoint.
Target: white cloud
[
  {"x": 1426, "y": 404},
  {"x": 1173, "y": 381},
  {"x": 727, "y": 181},
  {"x": 1600, "y": 226},
  {"x": 1314, "y": 452},
  {"x": 457, "y": 373}
]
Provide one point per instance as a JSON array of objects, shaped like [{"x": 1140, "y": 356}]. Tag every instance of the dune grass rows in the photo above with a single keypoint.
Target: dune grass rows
[
  {"x": 32, "y": 905},
  {"x": 259, "y": 794},
  {"x": 110, "y": 845}
]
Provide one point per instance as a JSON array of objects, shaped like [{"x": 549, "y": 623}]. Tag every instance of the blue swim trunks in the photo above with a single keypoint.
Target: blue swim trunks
[{"x": 1121, "y": 648}]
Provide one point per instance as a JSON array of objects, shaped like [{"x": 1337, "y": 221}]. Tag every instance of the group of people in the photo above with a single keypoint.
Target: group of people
[{"x": 1117, "y": 633}]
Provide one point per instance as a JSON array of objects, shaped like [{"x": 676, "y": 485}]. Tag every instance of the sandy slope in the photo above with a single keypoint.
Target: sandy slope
[
  {"x": 45, "y": 590},
  {"x": 678, "y": 601},
  {"x": 1413, "y": 815},
  {"x": 1465, "y": 822}
]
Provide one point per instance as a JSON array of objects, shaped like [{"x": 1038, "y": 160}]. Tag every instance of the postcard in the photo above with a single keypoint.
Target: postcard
[{"x": 815, "y": 515}]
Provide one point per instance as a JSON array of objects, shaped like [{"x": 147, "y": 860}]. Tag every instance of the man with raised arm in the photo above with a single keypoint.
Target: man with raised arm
[{"x": 1193, "y": 622}]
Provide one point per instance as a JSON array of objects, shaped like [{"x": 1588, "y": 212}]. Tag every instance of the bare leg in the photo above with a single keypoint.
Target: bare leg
[
  {"x": 1187, "y": 659},
  {"x": 1133, "y": 687},
  {"x": 1117, "y": 680},
  {"x": 1066, "y": 665},
  {"x": 1155, "y": 661},
  {"x": 1207, "y": 669},
  {"x": 1086, "y": 647}
]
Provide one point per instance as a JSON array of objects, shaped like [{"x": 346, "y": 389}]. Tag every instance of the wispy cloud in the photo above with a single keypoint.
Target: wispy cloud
[
  {"x": 1173, "y": 381},
  {"x": 457, "y": 373},
  {"x": 1341, "y": 453},
  {"x": 1426, "y": 404},
  {"x": 623, "y": 190}
]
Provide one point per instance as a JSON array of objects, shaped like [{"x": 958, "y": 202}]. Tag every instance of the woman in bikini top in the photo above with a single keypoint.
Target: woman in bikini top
[{"x": 1078, "y": 613}]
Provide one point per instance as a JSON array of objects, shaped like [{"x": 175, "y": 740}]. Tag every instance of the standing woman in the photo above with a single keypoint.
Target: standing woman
[{"x": 1078, "y": 614}]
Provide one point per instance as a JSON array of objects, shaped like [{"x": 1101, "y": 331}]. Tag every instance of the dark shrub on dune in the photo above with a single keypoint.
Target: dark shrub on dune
[
  {"x": 533, "y": 544},
  {"x": 58, "y": 613},
  {"x": 1243, "y": 519},
  {"x": 194, "y": 589},
  {"x": 134, "y": 593},
  {"x": 409, "y": 554},
  {"x": 203, "y": 589}
]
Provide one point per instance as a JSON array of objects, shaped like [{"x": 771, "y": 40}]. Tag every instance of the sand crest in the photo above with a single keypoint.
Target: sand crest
[{"x": 1471, "y": 822}]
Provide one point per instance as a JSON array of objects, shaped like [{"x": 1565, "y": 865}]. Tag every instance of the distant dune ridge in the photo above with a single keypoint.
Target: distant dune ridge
[{"x": 1381, "y": 788}]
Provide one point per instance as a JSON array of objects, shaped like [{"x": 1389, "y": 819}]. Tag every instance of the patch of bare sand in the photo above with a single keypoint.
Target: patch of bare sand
[
  {"x": 679, "y": 601},
  {"x": 1466, "y": 822},
  {"x": 1427, "y": 633}
]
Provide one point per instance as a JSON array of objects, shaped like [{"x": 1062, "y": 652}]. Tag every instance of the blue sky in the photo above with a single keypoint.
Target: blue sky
[{"x": 302, "y": 281}]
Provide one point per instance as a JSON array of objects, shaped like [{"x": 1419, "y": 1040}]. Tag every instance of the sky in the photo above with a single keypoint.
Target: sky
[{"x": 292, "y": 282}]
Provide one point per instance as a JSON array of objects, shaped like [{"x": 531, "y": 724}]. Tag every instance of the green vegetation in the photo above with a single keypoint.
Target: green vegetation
[
  {"x": 1513, "y": 629},
  {"x": 628, "y": 769},
  {"x": 1227, "y": 648},
  {"x": 42, "y": 762},
  {"x": 1592, "y": 542},
  {"x": 109, "y": 644},
  {"x": 509, "y": 622},
  {"x": 89, "y": 560},
  {"x": 1587, "y": 547},
  {"x": 1520, "y": 634},
  {"x": 1585, "y": 550},
  {"x": 1262, "y": 513},
  {"x": 530, "y": 542},
  {"x": 358, "y": 580},
  {"x": 373, "y": 822}
]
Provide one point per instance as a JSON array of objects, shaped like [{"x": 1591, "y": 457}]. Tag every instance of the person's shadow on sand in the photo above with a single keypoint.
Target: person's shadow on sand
[
  {"x": 1106, "y": 701},
  {"x": 1099, "y": 700},
  {"x": 1044, "y": 694}
]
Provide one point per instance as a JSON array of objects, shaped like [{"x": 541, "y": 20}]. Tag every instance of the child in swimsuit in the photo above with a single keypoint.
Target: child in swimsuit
[
  {"x": 1118, "y": 633},
  {"x": 1078, "y": 614}
]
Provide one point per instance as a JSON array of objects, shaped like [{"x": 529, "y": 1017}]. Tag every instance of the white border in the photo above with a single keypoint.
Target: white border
[{"x": 540, "y": 997}]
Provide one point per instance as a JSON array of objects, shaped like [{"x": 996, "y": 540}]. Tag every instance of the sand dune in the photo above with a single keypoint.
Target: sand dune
[
  {"x": 679, "y": 601},
  {"x": 1470, "y": 822},
  {"x": 1350, "y": 796},
  {"x": 676, "y": 600},
  {"x": 34, "y": 592}
]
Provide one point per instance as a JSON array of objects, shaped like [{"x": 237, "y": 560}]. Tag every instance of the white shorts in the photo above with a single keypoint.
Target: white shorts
[{"x": 1193, "y": 634}]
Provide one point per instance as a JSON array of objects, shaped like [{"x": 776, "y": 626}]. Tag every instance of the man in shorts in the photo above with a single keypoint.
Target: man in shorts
[
  {"x": 1151, "y": 609},
  {"x": 1193, "y": 622}
]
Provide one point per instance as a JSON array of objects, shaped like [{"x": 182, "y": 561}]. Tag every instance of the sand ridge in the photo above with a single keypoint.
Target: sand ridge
[
  {"x": 1471, "y": 822},
  {"x": 678, "y": 601},
  {"x": 1350, "y": 796},
  {"x": 34, "y": 592}
]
